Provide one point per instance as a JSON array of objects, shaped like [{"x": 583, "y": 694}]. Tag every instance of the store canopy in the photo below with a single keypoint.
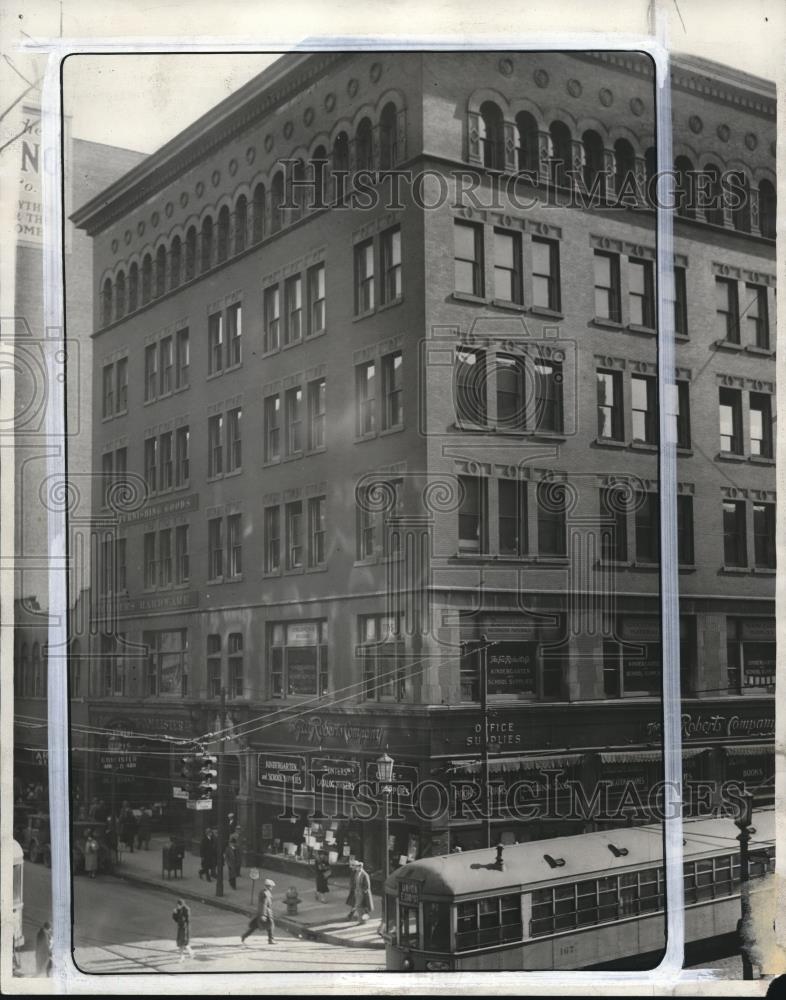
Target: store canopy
[
  {"x": 507, "y": 764},
  {"x": 631, "y": 756},
  {"x": 749, "y": 750}
]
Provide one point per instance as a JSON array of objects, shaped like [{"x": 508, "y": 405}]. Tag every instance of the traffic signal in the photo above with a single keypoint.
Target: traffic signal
[{"x": 207, "y": 776}]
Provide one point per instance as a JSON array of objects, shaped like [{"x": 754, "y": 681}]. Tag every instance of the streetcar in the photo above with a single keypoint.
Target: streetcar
[
  {"x": 18, "y": 898},
  {"x": 578, "y": 902}
]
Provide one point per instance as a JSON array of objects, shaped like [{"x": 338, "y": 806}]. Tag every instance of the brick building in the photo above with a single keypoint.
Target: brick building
[{"x": 360, "y": 448}]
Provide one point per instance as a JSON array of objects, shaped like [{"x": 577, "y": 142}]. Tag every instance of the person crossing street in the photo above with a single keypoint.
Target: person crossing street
[{"x": 264, "y": 917}]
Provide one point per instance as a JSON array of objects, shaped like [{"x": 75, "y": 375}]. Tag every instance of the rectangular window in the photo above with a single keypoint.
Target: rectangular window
[
  {"x": 167, "y": 365},
  {"x": 613, "y": 525},
  {"x": 545, "y": 274},
  {"x": 234, "y": 447},
  {"x": 165, "y": 557},
  {"x": 473, "y": 509},
  {"x": 316, "y": 299},
  {"x": 298, "y": 658},
  {"x": 468, "y": 259},
  {"x": 294, "y": 529},
  {"x": 607, "y": 286},
  {"x": 215, "y": 343},
  {"x": 121, "y": 564},
  {"x": 647, "y": 528},
  {"x": 364, "y": 277},
  {"x": 757, "y": 317},
  {"x": 214, "y": 666},
  {"x": 683, "y": 414},
  {"x": 685, "y": 529},
  {"x": 730, "y": 413},
  {"x": 390, "y": 249},
  {"x": 761, "y": 424},
  {"x": 511, "y": 379},
  {"x": 552, "y": 526},
  {"x": 680, "y": 301},
  {"x": 470, "y": 387},
  {"x": 366, "y": 388},
  {"x": 234, "y": 334},
  {"x": 149, "y": 558},
  {"x": 151, "y": 372},
  {"x": 166, "y": 465},
  {"x": 644, "y": 408},
  {"x": 735, "y": 549},
  {"x": 121, "y": 466},
  {"x": 215, "y": 445},
  {"x": 151, "y": 463},
  {"x": 235, "y": 664},
  {"x": 316, "y": 414},
  {"x": 272, "y": 307},
  {"x": 182, "y": 359},
  {"x": 316, "y": 531},
  {"x": 121, "y": 370},
  {"x": 167, "y": 664},
  {"x": 182, "y": 564},
  {"x": 548, "y": 395},
  {"x": 513, "y": 540},
  {"x": 215, "y": 548},
  {"x": 183, "y": 471},
  {"x": 764, "y": 535},
  {"x": 610, "y": 409},
  {"x": 293, "y": 299},
  {"x": 366, "y": 526},
  {"x": 272, "y": 539},
  {"x": 293, "y": 404},
  {"x": 107, "y": 476},
  {"x": 272, "y": 428},
  {"x": 641, "y": 293},
  {"x": 108, "y": 391},
  {"x": 727, "y": 310},
  {"x": 381, "y": 650},
  {"x": 235, "y": 544},
  {"x": 507, "y": 266},
  {"x": 392, "y": 391}
]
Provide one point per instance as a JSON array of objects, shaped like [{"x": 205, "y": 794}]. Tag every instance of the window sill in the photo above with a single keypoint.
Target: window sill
[
  {"x": 364, "y": 315},
  {"x": 681, "y": 337},
  {"x": 643, "y": 446},
  {"x": 293, "y": 457},
  {"x": 546, "y": 313},
  {"x": 647, "y": 331},
  {"x": 519, "y": 432},
  {"x": 215, "y": 580},
  {"x": 294, "y": 571},
  {"x": 181, "y": 388},
  {"x": 651, "y": 567},
  {"x": 390, "y": 305},
  {"x": 321, "y": 568},
  {"x": 182, "y": 585},
  {"x": 271, "y": 574},
  {"x": 316, "y": 333},
  {"x": 764, "y": 571},
  {"x": 608, "y": 443},
  {"x": 292, "y": 343},
  {"x": 233, "y": 472},
  {"x": 238, "y": 578},
  {"x": 735, "y": 570},
  {"x": 368, "y": 561},
  {"x": 507, "y": 304},
  {"x": 315, "y": 451},
  {"x": 684, "y": 452},
  {"x": 686, "y": 568},
  {"x": 478, "y": 300},
  {"x": 271, "y": 462},
  {"x": 387, "y": 431},
  {"x": 360, "y": 438},
  {"x": 761, "y": 460},
  {"x": 215, "y": 479},
  {"x": 614, "y": 563},
  {"x": 730, "y": 456},
  {"x": 763, "y": 352},
  {"x": 727, "y": 345},
  {"x": 214, "y": 375},
  {"x": 271, "y": 352},
  {"x": 233, "y": 368},
  {"x": 611, "y": 324}
]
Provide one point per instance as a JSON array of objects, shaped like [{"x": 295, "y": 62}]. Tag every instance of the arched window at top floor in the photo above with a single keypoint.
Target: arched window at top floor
[
  {"x": 684, "y": 188},
  {"x": 259, "y": 213},
  {"x": 624, "y": 169},
  {"x": 388, "y": 137},
  {"x": 206, "y": 256},
  {"x": 175, "y": 262},
  {"x": 133, "y": 287},
  {"x": 364, "y": 146},
  {"x": 527, "y": 129},
  {"x": 277, "y": 202},
  {"x": 120, "y": 295},
  {"x": 740, "y": 190},
  {"x": 767, "y": 209},
  {"x": 147, "y": 278},
  {"x": 191, "y": 252},
  {"x": 299, "y": 194},
  {"x": 160, "y": 271},
  {"x": 223, "y": 234},
  {"x": 650, "y": 171},
  {"x": 106, "y": 302},
  {"x": 712, "y": 189},
  {"x": 319, "y": 166},
  {"x": 593, "y": 162},
  {"x": 560, "y": 153},
  {"x": 241, "y": 223},
  {"x": 492, "y": 136},
  {"x": 341, "y": 152}
]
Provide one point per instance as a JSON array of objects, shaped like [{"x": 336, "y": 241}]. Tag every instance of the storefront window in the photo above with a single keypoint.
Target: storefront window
[
  {"x": 750, "y": 649},
  {"x": 298, "y": 656},
  {"x": 527, "y": 667}
]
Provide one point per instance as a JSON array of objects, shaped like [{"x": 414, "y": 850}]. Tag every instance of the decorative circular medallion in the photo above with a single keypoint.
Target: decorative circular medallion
[
  {"x": 330, "y": 102},
  {"x": 751, "y": 140},
  {"x": 506, "y": 67},
  {"x": 375, "y": 72},
  {"x": 308, "y": 117},
  {"x": 115, "y": 245},
  {"x": 169, "y": 209},
  {"x": 184, "y": 199},
  {"x": 541, "y": 78},
  {"x": 268, "y": 142},
  {"x": 140, "y": 229},
  {"x": 155, "y": 218},
  {"x": 215, "y": 178},
  {"x": 724, "y": 132},
  {"x": 200, "y": 188},
  {"x": 695, "y": 124},
  {"x": 288, "y": 130},
  {"x": 605, "y": 97},
  {"x": 127, "y": 237},
  {"x": 251, "y": 154},
  {"x": 574, "y": 88},
  {"x": 232, "y": 167},
  {"x": 352, "y": 87},
  {"x": 637, "y": 106}
]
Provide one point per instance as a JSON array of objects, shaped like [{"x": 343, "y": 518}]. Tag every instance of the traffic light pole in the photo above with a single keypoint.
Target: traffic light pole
[{"x": 220, "y": 803}]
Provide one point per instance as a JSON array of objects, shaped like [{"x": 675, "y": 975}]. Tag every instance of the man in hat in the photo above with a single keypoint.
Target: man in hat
[
  {"x": 364, "y": 901},
  {"x": 352, "y": 895},
  {"x": 264, "y": 917}
]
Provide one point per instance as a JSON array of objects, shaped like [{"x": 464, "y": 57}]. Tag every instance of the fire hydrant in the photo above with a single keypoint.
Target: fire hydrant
[{"x": 292, "y": 899}]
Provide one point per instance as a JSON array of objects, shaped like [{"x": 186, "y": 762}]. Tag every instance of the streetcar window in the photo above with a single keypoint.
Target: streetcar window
[
  {"x": 436, "y": 926},
  {"x": 689, "y": 869},
  {"x": 564, "y": 906},
  {"x": 489, "y": 921},
  {"x": 542, "y": 912},
  {"x": 587, "y": 902},
  {"x": 408, "y": 935},
  {"x": 648, "y": 890},
  {"x": 722, "y": 876},
  {"x": 607, "y": 898},
  {"x": 628, "y": 889},
  {"x": 704, "y": 879}
]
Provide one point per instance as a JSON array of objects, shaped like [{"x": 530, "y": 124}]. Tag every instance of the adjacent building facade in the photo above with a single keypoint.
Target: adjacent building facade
[{"x": 376, "y": 443}]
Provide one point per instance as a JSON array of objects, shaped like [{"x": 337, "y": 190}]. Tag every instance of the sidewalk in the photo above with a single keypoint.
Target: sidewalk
[{"x": 318, "y": 921}]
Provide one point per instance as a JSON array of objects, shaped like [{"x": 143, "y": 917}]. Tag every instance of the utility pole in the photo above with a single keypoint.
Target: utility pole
[
  {"x": 220, "y": 803},
  {"x": 743, "y": 824},
  {"x": 485, "y": 754}
]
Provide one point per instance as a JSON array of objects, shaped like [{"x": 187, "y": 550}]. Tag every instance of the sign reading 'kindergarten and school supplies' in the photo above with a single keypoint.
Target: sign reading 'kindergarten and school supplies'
[{"x": 282, "y": 770}]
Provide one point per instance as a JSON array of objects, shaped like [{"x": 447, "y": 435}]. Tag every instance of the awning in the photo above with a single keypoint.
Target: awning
[
  {"x": 631, "y": 756},
  {"x": 507, "y": 764},
  {"x": 749, "y": 750}
]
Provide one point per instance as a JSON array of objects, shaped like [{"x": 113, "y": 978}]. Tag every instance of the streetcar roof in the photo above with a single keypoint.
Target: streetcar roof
[{"x": 585, "y": 855}]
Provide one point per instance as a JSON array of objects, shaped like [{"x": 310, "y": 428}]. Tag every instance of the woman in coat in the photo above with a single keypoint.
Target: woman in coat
[
  {"x": 232, "y": 857},
  {"x": 364, "y": 901},
  {"x": 324, "y": 871},
  {"x": 91, "y": 854},
  {"x": 182, "y": 917}
]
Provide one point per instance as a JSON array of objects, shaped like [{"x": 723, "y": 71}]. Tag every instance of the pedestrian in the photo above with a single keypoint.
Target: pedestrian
[
  {"x": 175, "y": 852},
  {"x": 182, "y": 917},
  {"x": 231, "y": 824},
  {"x": 128, "y": 826},
  {"x": 364, "y": 901},
  {"x": 323, "y": 871},
  {"x": 91, "y": 854},
  {"x": 43, "y": 950},
  {"x": 207, "y": 855},
  {"x": 145, "y": 827},
  {"x": 352, "y": 895},
  {"x": 232, "y": 857},
  {"x": 264, "y": 917},
  {"x": 110, "y": 845}
]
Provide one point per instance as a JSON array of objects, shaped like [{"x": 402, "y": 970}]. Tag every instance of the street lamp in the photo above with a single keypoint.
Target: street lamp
[
  {"x": 385, "y": 777},
  {"x": 743, "y": 822}
]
